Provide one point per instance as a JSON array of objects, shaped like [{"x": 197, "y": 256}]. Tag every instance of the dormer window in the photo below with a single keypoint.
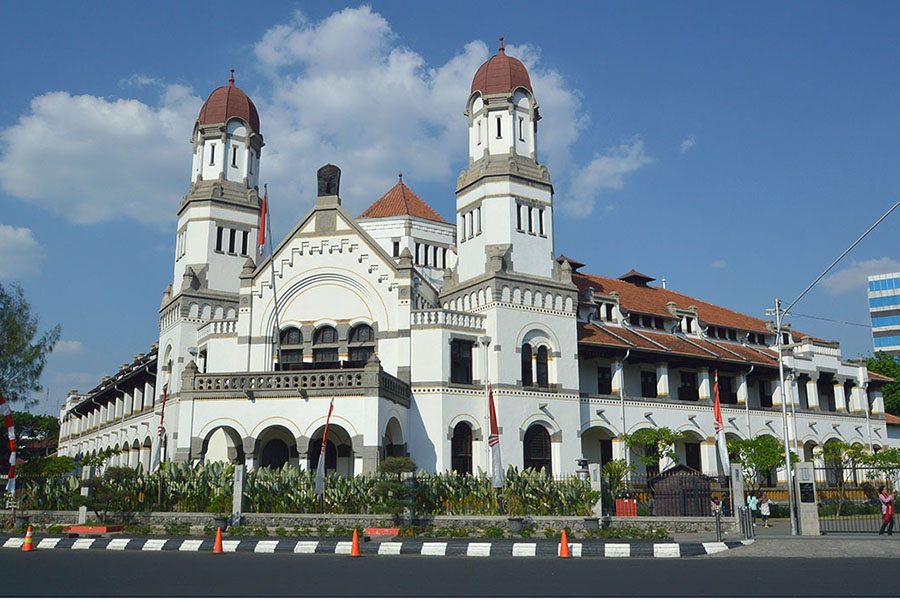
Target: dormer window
[{"x": 608, "y": 308}]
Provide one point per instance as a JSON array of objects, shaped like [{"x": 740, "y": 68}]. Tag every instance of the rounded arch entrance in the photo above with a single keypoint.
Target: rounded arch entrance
[
  {"x": 276, "y": 447},
  {"x": 461, "y": 448},
  {"x": 537, "y": 449},
  {"x": 393, "y": 443},
  {"x": 597, "y": 444},
  {"x": 339, "y": 455},
  {"x": 223, "y": 443}
]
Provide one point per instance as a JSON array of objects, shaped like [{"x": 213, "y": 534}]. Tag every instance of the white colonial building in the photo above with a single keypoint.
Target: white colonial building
[{"x": 403, "y": 318}]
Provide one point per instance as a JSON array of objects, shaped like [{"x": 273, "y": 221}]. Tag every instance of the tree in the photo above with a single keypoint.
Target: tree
[
  {"x": 22, "y": 353},
  {"x": 758, "y": 456},
  {"x": 43, "y": 429},
  {"x": 885, "y": 364},
  {"x": 656, "y": 443}
]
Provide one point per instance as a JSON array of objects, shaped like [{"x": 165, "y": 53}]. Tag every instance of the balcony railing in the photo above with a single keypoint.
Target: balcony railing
[
  {"x": 371, "y": 380},
  {"x": 217, "y": 328},
  {"x": 421, "y": 319}
]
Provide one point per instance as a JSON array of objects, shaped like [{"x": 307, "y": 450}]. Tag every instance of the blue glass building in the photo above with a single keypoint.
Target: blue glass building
[{"x": 884, "y": 309}]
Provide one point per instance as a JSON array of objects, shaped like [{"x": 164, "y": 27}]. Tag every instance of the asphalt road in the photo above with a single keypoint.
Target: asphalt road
[{"x": 86, "y": 573}]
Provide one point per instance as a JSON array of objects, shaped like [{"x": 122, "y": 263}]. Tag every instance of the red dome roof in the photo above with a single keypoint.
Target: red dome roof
[
  {"x": 501, "y": 74},
  {"x": 226, "y": 102}
]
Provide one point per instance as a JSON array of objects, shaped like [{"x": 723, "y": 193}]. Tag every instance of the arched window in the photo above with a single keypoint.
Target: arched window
[
  {"x": 362, "y": 344},
  {"x": 325, "y": 347},
  {"x": 527, "y": 377},
  {"x": 274, "y": 454},
  {"x": 315, "y": 450},
  {"x": 291, "y": 349},
  {"x": 461, "y": 449},
  {"x": 537, "y": 448},
  {"x": 542, "y": 358}
]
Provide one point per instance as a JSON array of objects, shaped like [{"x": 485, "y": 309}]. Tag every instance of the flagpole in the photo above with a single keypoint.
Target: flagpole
[{"x": 274, "y": 292}]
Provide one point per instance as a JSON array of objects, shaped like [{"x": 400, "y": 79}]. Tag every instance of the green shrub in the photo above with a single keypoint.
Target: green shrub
[
  {"x": 493, "y": 531},
  {"x": 301, "y": 530},
  {"x": 54, "y": 529},
  {"x": 322, "y": 530},
  {"x": 342, "y": 531},
  {"x": 177, "y": 528},
  {"x": 261, "y": 531},
  {"x": 238, "y": 531},
  {"x": 549, "y": 532},
  {"x": 209, "y": 530},
  {"x": 135, "y": 529},
  {"x": 527, "y": 531},
  {"x": 281, "y": 532}
]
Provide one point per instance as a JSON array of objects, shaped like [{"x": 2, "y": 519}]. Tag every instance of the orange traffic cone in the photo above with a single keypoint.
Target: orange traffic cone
[
  {"x": 28, "y": 546},
  {"x": 354, "y": 547},
  {"x": 217, "y": 547},
  {"x": 564, "y": 546}
]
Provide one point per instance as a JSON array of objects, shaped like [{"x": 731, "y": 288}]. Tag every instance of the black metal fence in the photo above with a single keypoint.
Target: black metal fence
[{"x": 848, "y": 497}]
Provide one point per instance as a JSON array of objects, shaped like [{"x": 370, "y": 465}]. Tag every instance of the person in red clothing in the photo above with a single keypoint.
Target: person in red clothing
[{"x": 887, "y": 509}]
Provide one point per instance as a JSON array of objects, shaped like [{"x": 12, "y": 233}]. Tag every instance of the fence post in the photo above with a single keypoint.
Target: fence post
[
  {"x": 596, "y": 485},
  {"x": 718, "y": 525},
  {"x": 237, "y": 503}
]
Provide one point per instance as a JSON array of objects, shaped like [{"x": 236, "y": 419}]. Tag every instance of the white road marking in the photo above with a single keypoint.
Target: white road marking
[
  {"x": 48, "y": 543},
  {"x": 266, "y": 546},
  {"x": 305, "y": 547},
  {"x": 434, "y": 549},
  {"x": 153, "y": 545},
  {"x": 389, "y": 547},
  {"x": 618, "y": 550},
  {"x": 479, "y": 549},
  {"x": 14, "y": 543},
  {"x": 230, "y": 545},
  {"x": 117, "y": 543},
  {"x": 190, "y": 545},
  {"x": 523, "y": 549},
  {"x": 342, "y": 547},
  {"x": 666, "y": 550},
  {"x": 714, "y": 547},
  {"x": 83, "y": 544}
]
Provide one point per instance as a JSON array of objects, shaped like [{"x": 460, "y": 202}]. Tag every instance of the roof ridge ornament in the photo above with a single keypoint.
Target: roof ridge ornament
[
  {"x": 502, "y": 49},
  {"x": 231, "y": 79}
]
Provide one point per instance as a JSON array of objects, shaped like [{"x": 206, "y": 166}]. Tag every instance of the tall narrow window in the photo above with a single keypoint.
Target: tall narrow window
[
  {"x": 212, "y": 154},
  {"x": 325, "y": 349},
  {"x": 527, "y": 379},
  {"x": 425, "y": 254},
  {"x": 542, "y": 362},
  {"x": 541, "y": 221},
  {"x": 434, "y": 261},
  {"x": 536, "y": 448},
  {"x": 291, "y": 350},
  {"x": 232, "y": 234},
  {"x": 521, "y": 129},
  {"x": 469, "y": 228},
  {"x": 234, "y": 156},
  {"x": 245, "y": 238},
  {"x": 478, "y": 220},
  {"x": 478, "y": 131},
  {"x": 444, "y": 258},
  {"x": 499, "y": 133},
  {"x": 218, "y": 239},
  {"x": 461, "y": 449},
  {"x": 361, "y": 344},
  {"x": 648, "y": 384},
  {"x": 530, "y": 220},
  {"x": 418, "y": 257},
  {"x": 519, "y": 217},
  {"x": 604, "y": 380},
  {"x": 461, "y": 361},
  {"x": 396, "y": 249}
]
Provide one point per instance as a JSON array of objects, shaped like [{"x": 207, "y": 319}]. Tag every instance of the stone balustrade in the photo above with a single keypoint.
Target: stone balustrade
[{"x": 421, "y": 319}]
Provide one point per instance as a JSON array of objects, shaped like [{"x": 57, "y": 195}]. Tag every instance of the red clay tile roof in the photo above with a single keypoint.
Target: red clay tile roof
[
  {"x": 879, "y": 377},
  {"x": 501, "y": 74},
  {"x": 400, "y": 200},
  {"x": 891, "y": 419},
  {"x": 226, "y": 102},
  {"x": 653, "y": 300}
]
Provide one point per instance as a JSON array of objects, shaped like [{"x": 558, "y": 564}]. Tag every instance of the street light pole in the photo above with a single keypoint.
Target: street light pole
[{"x": 779, "y": 316}]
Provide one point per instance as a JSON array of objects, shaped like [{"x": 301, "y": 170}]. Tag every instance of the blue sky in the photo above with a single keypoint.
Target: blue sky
[{"x": 734, "y": 149}]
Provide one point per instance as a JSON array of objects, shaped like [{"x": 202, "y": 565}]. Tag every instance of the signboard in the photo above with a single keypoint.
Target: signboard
[{"x": 807, "y": 492}]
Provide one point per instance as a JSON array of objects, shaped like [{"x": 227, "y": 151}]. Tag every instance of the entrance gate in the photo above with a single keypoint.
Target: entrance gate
[{"x": 848, "y": 497}]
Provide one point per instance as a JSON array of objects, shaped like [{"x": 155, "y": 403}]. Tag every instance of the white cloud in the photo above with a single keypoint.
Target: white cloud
[
  {"x": 92, "y": 159},
  {"x": 605, "y": 172},
  {"x": 69, "y": 347},
  {"x": 139, "y": 80},
  {"x": 20, "y": 253},
  {"x": 853, "y": 278},
  {"x": 718, "y": 264},
  {"x": 688, "y": 143}
]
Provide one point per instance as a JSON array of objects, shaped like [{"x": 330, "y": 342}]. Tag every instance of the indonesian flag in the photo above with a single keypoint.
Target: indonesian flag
[
  {"x": 11, "y": 434},
  {"x": 320, "y": 469},
  {"x": 720, "y": 431},
  {"x": 494, "y": 443},
  {"x": 156, "y": 458},
  {"x": 261, "y": 239}
]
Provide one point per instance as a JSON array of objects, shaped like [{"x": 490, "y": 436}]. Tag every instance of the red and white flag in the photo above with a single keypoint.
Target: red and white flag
[
  {"x": 156, "y": 458},
  {"x": 11, "y": 434},
  {"x": 720, "y": 431},
  {"x": 494, "y": 443},
  {"x": 320, "y": 469},
  {"x": 261, "y": 238}
]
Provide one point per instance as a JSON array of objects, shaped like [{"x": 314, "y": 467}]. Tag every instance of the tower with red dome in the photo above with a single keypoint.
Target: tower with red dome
[
  {"x": 217, "y": 224},
  {"x": 504, "y": 199}
]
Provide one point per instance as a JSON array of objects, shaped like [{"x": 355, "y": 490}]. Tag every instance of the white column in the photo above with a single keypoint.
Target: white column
[
  {"x": 742, "y": 390},
  {"x": 776, "y": 394},
  {"x": 148, "y": 395},
  {"x": 877, "y": 402},
  {"x": 705, "y": 389},
  {"x": 129, "y": 403},
  {"x": 662, "y": 380},
  {"x": 618, "y": 376},
  {"x": 708, "y": 457},
  {"x": 858, "y": 400},
  {"x": 840, "y": 400},
  {"x": 812, "y": 394}
]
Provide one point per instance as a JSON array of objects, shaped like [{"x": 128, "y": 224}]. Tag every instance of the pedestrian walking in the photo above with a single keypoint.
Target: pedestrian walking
[
  {"x": 765, "y": 508},
  {"x": 753, "y": 505},
  {"x": 887, "y": 509},
  {"x": 726, "y": 504}
]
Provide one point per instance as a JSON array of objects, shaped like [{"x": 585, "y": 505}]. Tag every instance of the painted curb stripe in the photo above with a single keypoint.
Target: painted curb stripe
[
  {"x": 390, "y": 548},
  {"x": 523, "y": 549},
  {"x": 117, "y": 543},
  {"x": 478, "y": 549},
  {"x": 154, "y": 545},
  {"x": 266, "y": 546},
  {"x": 15, "y": 542},
  {"x": 190, "y": 545},
  {"x": 617, "y": 550},
  {"x": 305, "y": 547},
  {"x": 666, "y": 550},
  {"x": 342, "y": 547},
  {"x": 48, "y": 543},
  {"x": 714, "y": 547},
  {"x": 230, "y": 545},
  {"x": 434, "y": 548},
  {"x": 83, "y": 544}
]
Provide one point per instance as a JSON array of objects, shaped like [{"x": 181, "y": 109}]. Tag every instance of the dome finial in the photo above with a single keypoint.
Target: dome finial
[
  {"x": 400, "y": 176},
  {"x": 501, "y": 46},
  {"x": 231, "y": 80}
]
